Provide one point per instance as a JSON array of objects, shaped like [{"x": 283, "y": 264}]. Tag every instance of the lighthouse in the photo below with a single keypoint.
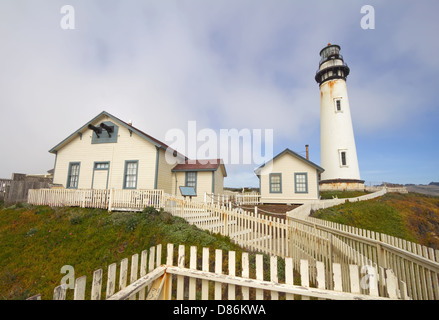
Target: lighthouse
[{"x": 338, "y": 154}]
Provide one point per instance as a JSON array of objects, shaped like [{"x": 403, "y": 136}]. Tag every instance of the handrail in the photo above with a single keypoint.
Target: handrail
[
  {"x": 407, "y": 254},
  {"x": 270, "y": 285}
]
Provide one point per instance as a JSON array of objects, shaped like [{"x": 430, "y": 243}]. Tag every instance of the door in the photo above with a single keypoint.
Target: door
[{"x": 100, "y": 175}]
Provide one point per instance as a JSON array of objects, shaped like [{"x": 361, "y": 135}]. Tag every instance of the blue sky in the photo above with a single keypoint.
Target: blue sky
[{"x": 225, "y": 64}]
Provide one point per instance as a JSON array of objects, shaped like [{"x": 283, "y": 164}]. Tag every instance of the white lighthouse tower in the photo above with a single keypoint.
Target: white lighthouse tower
[{"x": 337, "y": 151}]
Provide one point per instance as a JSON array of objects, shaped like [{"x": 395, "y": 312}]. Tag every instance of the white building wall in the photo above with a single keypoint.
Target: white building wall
[
  {"x": 288, "y": 165},
  {"x": 337, "y": 133},
  {"x": 127, "y": 148},
  {"x": 204, "y": 184}
]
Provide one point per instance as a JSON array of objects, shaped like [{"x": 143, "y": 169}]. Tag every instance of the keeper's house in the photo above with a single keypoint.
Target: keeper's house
[
  {"x": 108, "y": 153},
  {"x": 289, "y": 178}
]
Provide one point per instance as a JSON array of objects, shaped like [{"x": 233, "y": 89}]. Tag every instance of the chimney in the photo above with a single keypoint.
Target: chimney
[{"x": 307, "y": 152}]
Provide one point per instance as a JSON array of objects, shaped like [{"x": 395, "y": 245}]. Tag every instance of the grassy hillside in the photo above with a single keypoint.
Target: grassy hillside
[
  {"x": 411, "y": 216},
  {"x": 35, "y": 242},
  {"x": 341, "y": 194}
]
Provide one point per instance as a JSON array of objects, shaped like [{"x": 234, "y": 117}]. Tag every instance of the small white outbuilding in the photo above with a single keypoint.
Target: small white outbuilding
[{"x": 289, "y": 178}]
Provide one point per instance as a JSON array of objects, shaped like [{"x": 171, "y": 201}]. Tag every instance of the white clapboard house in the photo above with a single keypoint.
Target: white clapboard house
[
  {"x": 108, "y": 153},
  {"x": 289, "y": 178}
]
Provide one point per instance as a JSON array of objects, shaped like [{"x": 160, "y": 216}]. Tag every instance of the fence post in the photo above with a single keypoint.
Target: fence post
[
  {"x": 226, "y": 229},
  {"x": 381, "y": 256},
  {"x": 83, "y": 199},
  {"x": 110, "y": 201}
]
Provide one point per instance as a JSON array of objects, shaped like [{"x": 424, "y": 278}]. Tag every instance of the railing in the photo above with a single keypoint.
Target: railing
[
  {"x": 152, "y": 280},
  {"x": 310, "y": 239},
  {"x": 132, "y": 200},
  {"x": 219, "y": 199},
  {"x": 415, "y": 265},
  {"x": 250, "y": 230},
  {"x": 249, "y": 198},
  {"x": 4, "y": 184}
]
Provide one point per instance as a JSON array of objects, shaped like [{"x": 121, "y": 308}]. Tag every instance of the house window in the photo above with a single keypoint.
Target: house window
[
  {"x": 102, "y": 165},
  {"x": 301, "y": 182},
  {"x": 130, "y": 179},
  {"x": 73, "y": 177},
  {"x": 275, "y": 183},
  {"x": 191, "y": 179}
]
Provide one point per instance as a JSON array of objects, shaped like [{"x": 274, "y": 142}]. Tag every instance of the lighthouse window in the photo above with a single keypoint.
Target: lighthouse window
[
  {"x": 343, "y": 158},
  {"x": 338, "y": 104}
]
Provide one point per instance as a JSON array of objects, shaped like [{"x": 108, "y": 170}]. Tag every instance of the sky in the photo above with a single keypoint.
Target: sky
[{"x": 226, "y": 64}]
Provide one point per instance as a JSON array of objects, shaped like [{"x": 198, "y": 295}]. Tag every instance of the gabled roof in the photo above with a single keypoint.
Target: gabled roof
[
  {"x": 200, "y": 165},
  {"x": 294, "y": 154},
  {"x": 142, "y": 134}
]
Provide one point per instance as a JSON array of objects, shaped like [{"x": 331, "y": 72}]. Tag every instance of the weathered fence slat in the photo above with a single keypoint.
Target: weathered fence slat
[
  {"x": 123, "y": 276},
  {"x": 111, "y": 280},
  {"x": 59, "y": 293},
  {"x": 274, "y": 276},
  {"x": 193, "y": 265},
  {"x": 245, "y": 275},
  {"x": 313, "y": 282},
  {"x": 96, "y": 285},
  {"x": 180, "y": 278},
  {"x": 80, "y": 284},
  {"x": 218, "y": 270}
]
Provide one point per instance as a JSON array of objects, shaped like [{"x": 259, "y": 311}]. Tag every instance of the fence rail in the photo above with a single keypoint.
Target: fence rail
[
  {"x": 133, "y": 200},
  {"x": 250, "y": 230},
  {"x": 415, "y": 267},
  {"x": 250, "y": 198},
  {"x": 4, "y": 184},
  {"x": 158, "y": 277}
]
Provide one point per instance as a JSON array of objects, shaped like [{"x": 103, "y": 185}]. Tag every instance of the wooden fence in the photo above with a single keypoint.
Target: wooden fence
[
  {"x": 414, "y": 265},
  {"x": 236, "y": 199},
  {"x": 219, "y": 199},
  {"x": 317, "y": 241},
  {"x": 4, "y": 183},
  {"x": 219, "y": 276},
  {"x": 247, "y": 198},
  {"x": 249, "y": 230},
  {"x": 121, "y": 200}
]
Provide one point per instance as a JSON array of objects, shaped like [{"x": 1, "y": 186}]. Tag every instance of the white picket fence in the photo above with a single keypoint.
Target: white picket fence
[
  {"x": 111, "y": 199},
  {"x": 249, "y": 230},
  {"x": 166, "y": 278},
  {"x": 247, "y": 199},
  {"x": 416, "y": 267}
]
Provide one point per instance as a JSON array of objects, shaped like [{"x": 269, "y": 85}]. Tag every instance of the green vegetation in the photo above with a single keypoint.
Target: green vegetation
[
  {"x": 341, "y": 194},
  {"x": 36, "y": 241},
  {"x": 414, "y": 217}
]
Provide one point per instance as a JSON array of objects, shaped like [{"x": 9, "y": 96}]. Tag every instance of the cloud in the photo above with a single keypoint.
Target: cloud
[{"x": 226, "y": 64}]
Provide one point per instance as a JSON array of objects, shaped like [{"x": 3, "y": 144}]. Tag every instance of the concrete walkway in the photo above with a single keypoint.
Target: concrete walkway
[{"x": 304, "y": 210}]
